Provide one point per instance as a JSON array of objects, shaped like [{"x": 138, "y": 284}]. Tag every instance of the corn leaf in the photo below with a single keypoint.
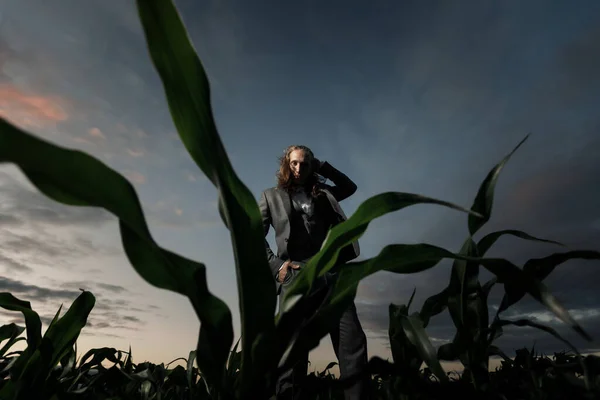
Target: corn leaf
[
  {"x": 416, "y": 334},
  {"x": 33, "y": 323},
  {"x": 488, "y": 240},
  {"x": 484, "y": 200},
  {"x": 10, "y": 332},
  {"x": 539, "y": 269},
  {"x": 352, "y": 229},
  {"x": 75, "y": 178},
  {"x": 188, "y": 95}
]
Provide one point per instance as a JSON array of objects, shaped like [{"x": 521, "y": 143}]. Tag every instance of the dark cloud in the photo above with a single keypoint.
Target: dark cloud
[
  {"x": 9, "y": 221},
  {"x": 108, "y": 305},
  {"x": 13, "y": 265},
  {"x": 101, "y": 288},
  {"x": 29, "y": 222},
  {"x": 24, "y": 205},
  {"x": 108, "y": 314},
  {"x": 111, "y": 288},
  {"x": 30, "y": 292},
  {"x": 131, "y": 319},
  {"x": 87, "y": 332},
  {"x": 579, "y": 64},
  {"x": 111, "y": 308},
  {"x": 43, "y": 247}
]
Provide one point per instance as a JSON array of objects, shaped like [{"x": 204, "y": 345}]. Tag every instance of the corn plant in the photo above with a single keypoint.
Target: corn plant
[{"x": 268, "y": 343}]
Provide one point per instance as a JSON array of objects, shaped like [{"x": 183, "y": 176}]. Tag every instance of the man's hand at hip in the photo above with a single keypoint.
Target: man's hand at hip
[{"x": 284, "y": 269}]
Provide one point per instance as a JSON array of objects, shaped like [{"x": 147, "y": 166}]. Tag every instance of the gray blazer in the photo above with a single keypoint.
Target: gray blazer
[{"x": 276, "y": 208}]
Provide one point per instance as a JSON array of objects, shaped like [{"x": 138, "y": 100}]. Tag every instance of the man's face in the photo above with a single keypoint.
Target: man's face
[{"x": 300, "y": 166}]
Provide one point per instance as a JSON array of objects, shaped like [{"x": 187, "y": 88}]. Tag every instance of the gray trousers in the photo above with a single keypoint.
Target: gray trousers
[{"x": 349, "y": 344}]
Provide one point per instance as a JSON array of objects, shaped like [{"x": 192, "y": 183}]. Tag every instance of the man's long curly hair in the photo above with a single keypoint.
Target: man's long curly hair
[{"x": 285, "y": 175}]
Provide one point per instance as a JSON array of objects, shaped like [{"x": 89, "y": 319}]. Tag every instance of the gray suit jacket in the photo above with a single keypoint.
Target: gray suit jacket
[{"x": 276, "y": 207}]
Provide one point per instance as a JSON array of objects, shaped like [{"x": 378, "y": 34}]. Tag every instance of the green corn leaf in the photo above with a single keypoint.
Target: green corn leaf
[
  {"x": 542, "y": 267},
  {"x": 464, "y": 281},
  {"x": 57, "y": 342},
  {"x": 97, "y": 356},
  {"x": 405, "y": 354},
  {"x": 469, "y": 312},
  {"x": 55, "y": 317},
  {"x": 412, "y": 296},
  {"x": 33, "y": 324},
  {"x": 191, "y": 378},
  {"x": 485, "y": 196},
  {"x": 398, "y": 258},
  {"x": 33, "y": 327},
  {"x": 496, "y": 351},
  {"x": 510, "y": 274},
  {"x": 340, "y": 236},
  {"x": 128, "y": 367},
  {"x": 68, "y": 363},
  {"x": 10, "y": 332},
  {"x": 539, "y": 269},
  {"x": 416, "y": 334},
  {"x": 434, "y": 305},
  {"x": 352, "y": 229},
  {"x": 401, "y": 258},
  {"x": 188, "y": 95},
  {"x": 487, "y": 287},
  {"x": 448, "y": 352},
  {"x": 488, "y": 240},
  {"x": 75, "y": 178}
]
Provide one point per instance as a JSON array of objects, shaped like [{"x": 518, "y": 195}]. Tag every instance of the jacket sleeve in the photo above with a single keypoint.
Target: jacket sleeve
[
  {"x": 344, "y": 186},
  {"x": 274, "y": 262}
]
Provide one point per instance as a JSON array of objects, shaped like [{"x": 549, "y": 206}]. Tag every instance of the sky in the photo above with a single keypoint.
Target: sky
[{"x": 420, "y": 97}]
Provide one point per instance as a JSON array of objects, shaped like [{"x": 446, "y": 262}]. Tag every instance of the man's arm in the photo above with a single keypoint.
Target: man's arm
[
  {"x": 274, "y": 262},
  {"x": 344, "y": 186}
]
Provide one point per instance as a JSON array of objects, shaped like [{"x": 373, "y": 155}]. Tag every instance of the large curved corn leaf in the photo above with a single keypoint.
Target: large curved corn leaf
[
  {"x": 10, "y": 333},
  {"x": 434, "y": 305},
  {"x": 338, "y": 237},
  {"x": 403, "y": 258},
  {"x": 188, "y": 95},
  {"x": 540, "y": 268},
  {"x": 33, "y": 323},
  {"x": 485, "y": 196},
  {"x": 97, "y": 355},
  {"x": 416, "y": 334},
  {"x": 352, "y": 229},
  {"x": 464, "y": 281},
  {"x": 406, "y": 356},
  {"x": 488, "y": 240},
  {"x": 75, "y": 178},
  {"x": 496, "y": 351},
  {"x": 410, "y": 342},
  {"x": 509, "y": 274},
  {"x": 467, "y": 309},
  {"x": 33, "y": 326}
]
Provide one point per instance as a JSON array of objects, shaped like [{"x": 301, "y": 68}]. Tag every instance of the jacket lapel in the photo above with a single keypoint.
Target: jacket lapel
[{"x": 286, "y": 200}]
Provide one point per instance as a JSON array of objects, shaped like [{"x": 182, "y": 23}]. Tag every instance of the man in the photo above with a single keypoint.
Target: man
[{"x": 301, "y": 209}]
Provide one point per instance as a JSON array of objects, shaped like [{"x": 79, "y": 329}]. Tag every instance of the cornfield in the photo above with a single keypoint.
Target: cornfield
[{"x": 48, "y": 368}]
